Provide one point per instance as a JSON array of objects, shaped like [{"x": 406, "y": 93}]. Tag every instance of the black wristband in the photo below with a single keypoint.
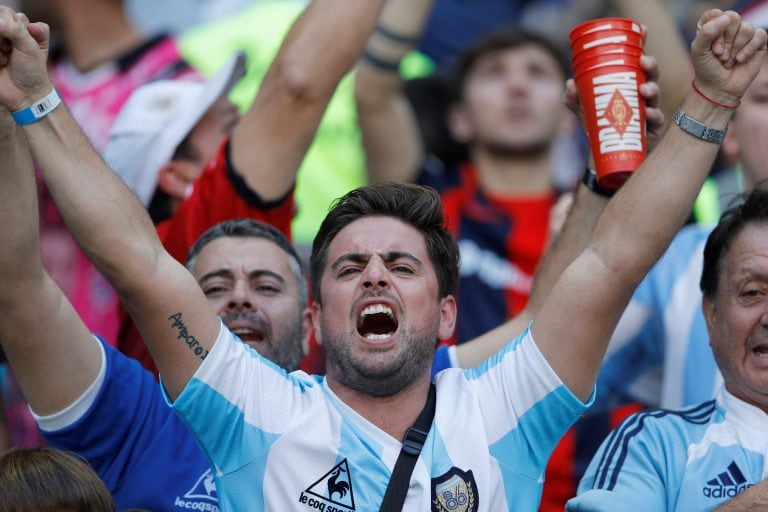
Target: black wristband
[
  {"x": 380, "y": 63},
  {"x": 590, "y": 181}
]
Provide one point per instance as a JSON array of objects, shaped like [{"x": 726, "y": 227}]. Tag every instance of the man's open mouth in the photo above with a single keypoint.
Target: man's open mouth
[{"x": 376, "y": 322}]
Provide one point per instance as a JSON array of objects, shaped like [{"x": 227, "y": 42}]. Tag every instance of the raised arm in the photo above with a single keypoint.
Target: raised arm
[
  {"x": 52, "y": 354},
  {"x": 573, "y": 237},
  {"x": 577, "y": 318},
  {"x": 271, "y": 140},
  {"x": 104, "y": 216},
  {"x": 390, "y": 134}
]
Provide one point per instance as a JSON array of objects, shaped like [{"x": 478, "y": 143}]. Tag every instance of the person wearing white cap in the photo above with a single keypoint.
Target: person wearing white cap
[{"x": 168, "y": 129}]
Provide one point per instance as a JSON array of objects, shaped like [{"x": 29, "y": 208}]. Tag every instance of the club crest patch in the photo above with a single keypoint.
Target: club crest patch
[{"x": 454, "y": 491}]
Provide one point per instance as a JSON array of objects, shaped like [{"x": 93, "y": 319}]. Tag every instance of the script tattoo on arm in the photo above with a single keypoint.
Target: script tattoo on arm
[{"x": 187, "y": 338}]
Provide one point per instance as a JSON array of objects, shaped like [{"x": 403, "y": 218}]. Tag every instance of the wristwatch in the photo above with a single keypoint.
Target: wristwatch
[
  {"x": 590, "y": 181},
  {"x": 697, "y": 129}
]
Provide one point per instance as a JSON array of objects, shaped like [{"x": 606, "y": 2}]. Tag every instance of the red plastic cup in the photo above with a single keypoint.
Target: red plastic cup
[
  {"x": 614, "y": 115},
  {"x": 608, "y": 59},
  {"x": 606, "y": 37},
  {"x": 605, "y": 49},
  {"x": 605, "y": 24}
]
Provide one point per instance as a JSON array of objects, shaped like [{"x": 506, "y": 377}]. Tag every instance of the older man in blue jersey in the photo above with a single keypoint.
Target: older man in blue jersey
[
  {"x": 384, "y": 270},
  {"x": 715, "y": 452}
]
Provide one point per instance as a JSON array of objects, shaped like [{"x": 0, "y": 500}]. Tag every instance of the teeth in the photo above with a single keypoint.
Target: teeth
[
  {"x": 377, "y": 308},
  {"x": 242, "y": 330},
  {"x": 372, "y": 336}
]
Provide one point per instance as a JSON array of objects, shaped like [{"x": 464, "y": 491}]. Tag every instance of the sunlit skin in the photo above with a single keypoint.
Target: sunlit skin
[
  {"x": 512, "y": 101},
  {"x": 737, "y": 318},
  {"x": 177, "y": 178},
  {"x": 748, "y": 131},
  {"x": 376, "y": 262},
  {"x": 249, "y": 284}
]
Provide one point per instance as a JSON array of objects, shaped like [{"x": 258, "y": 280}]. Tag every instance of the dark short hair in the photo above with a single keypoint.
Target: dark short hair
[
  {"x": 753, "y": 209},
  {"x": 416, "y": 205},
  {"x": 505, "y": 38},
  {"x": 44, "y": 478},
  {"x": 247, "y": 228}
]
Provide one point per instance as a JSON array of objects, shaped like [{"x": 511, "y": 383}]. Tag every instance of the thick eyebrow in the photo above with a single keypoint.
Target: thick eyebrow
[
  {"x": 227, "y": 274},
  {"x": 221, "y": 272},
  {"x": 401, "y": 255},
  {"x": 352, "y": 257},
  {"x": 388, "y": 257}
]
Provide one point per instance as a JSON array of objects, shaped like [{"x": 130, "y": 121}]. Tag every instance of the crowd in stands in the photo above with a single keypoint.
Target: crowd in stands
[{"x": 245, "y": 242}]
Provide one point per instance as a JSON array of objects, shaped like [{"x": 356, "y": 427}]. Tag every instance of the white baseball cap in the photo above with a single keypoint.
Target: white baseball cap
[{"x": 156, "y": 119}]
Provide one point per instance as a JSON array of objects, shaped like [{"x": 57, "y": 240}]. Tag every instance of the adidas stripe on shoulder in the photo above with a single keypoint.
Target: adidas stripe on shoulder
[{"x": 617, "y": 444}]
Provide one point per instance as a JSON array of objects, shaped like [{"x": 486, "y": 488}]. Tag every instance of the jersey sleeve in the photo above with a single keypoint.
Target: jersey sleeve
[
  {"x": 528, "y": 407},
  {"x": 221, "y": 194},
  {"x": 238, "y": 403},
  {"x": 117, "y": 431},
  {"x": 628, "y": 471}
]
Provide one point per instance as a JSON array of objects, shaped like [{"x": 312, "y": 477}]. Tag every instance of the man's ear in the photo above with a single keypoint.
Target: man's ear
[
  {"x": 316, "y": 312},
  {"x": 447, "y": 317},
  {"x": 306, "y": 330},
  {"x": 459, "y": 123},
  {"x": 171, "y": 180},
  {"x": 708, "y": 308}
]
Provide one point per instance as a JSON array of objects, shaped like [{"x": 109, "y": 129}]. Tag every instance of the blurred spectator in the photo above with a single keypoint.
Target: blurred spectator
[
  {"x": 43, "y": 479},
  {"x": 334, "y": 162}
]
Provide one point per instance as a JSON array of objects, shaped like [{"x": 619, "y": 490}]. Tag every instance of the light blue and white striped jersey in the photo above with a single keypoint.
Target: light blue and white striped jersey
[
  {"x": 678, "y": 460},
  {"x": 659, "y": 354},
  {"x": 284, "y": 442}
]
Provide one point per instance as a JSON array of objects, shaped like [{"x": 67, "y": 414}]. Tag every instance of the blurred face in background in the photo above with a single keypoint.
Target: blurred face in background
[{"x": 512, "y": 101}]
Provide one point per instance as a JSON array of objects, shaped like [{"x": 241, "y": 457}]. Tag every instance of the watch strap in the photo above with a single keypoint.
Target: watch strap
[{"x": 698, "y": 129}]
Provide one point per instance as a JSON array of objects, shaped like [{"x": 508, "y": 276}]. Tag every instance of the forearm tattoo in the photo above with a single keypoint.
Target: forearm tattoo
[{"x": 187, "y": 338}]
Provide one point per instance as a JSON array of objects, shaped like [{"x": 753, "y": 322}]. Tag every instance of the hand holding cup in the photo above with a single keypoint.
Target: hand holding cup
[
  {"x": 606, "y": 58},
  {"x": 649, "y": 91}
]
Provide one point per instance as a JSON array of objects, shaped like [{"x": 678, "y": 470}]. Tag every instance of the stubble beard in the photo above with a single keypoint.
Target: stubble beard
[{"x": 379, "y": 379}]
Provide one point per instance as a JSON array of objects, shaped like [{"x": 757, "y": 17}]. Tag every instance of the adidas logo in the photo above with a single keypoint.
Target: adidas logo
[{"x": 727, "y": 484}]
